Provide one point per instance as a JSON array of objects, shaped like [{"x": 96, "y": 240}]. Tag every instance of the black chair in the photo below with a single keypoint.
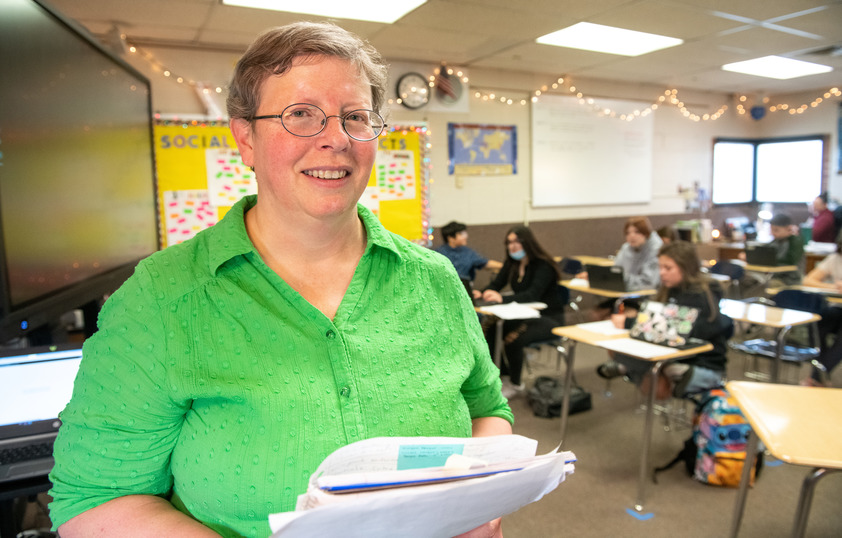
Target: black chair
[
  {"x": 793, "y": 351},
  {"x": 570, "y": 267},
  {"x": 734, "y": 272}
]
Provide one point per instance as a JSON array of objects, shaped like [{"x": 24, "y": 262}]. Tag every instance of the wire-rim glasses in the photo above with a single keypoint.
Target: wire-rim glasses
[{"x": 306, "y": 120}]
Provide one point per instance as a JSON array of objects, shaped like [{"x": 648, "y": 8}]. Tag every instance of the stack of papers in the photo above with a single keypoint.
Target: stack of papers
[
  {"x": 422, "y": 486},
  {"x": 515, "y": 310}
]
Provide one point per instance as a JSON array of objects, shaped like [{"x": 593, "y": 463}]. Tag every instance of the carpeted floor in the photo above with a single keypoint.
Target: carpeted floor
[{"x": 594, "y": 501}]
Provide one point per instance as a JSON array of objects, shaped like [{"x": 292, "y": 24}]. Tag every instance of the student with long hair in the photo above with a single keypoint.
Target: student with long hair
[
  {"x": 532, "y": 275},
  {"x": 682, "y": 283}
]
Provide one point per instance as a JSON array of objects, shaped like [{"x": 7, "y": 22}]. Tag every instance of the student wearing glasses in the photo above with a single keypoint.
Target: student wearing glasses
[{"x": 229, "y": 366}]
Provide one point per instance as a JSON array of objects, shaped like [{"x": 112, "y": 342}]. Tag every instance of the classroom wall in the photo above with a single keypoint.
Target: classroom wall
[{"x": 682, "y": 148}]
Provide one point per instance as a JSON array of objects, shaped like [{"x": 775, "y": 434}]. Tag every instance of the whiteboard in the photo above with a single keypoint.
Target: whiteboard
[{"x": 580, "y": 157}]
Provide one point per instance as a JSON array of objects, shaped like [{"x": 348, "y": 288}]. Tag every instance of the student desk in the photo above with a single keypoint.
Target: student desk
[
  {"x": 595, "y": 260},
  {"x": 767, "y": 272},
  {"x": 581, "y": 285},
  {"x": 782, "y": 320},
  {"x": 786, "y": 419},
  {"x": 498, "y": 334},
  {"x": 832, "y": 296},
  {"x": 580, "y": 333}
]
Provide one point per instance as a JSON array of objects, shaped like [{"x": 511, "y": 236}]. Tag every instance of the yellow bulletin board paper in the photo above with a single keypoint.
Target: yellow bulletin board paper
[{"x": 201, "y": 175}]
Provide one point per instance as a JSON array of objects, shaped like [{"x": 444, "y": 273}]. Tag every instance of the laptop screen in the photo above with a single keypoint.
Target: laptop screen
[{"x": 35, "y": 385}]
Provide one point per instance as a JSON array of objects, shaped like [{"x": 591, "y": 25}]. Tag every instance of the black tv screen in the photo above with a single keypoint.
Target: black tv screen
[{"x": 77, "y": 182}]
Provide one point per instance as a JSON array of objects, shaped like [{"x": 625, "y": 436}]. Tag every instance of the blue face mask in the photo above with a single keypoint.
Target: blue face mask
[{"x": 519, "y": 255}]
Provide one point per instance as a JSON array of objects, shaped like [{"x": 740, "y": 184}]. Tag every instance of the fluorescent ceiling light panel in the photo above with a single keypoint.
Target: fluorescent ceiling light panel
[
  {"x": 777, "y": 67},
  {"x": 359, "y": 10},
  {"x": 599, "y": 38}
]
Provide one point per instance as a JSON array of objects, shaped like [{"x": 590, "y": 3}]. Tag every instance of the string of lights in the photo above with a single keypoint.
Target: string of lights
[{"x": 670, "y": 97}]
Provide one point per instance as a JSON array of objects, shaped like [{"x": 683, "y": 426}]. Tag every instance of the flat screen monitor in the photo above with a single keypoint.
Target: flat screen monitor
[{"x": 77, "y": 182}]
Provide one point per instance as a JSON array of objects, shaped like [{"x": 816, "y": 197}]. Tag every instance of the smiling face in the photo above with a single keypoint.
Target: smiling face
[{"x": 320, "y": 176}]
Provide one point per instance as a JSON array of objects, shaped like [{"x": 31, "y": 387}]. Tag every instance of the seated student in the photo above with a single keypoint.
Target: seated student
[
  {"x": 828, "y": 274},
  {"x": 639, "y": 254},
  {"x": 465, "y": 259},
  {"x": 824, "y": 223},
  {"x": 683, "y": 283},
  {"x": 639, "y": 259},
  {"x": 667, "y": 234},
  {"x": 790, "y": 249},
  {"x": 533, "y": 276}
]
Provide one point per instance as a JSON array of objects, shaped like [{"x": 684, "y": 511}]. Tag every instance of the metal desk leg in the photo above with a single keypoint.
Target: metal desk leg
[
  {"x": 569, "y": 356},
  {"x": 779, "y": 350},
  {"x": 748, "y": 464},
  {"x": 805, "y": 499},
  {"x": 647, "y": 437}
]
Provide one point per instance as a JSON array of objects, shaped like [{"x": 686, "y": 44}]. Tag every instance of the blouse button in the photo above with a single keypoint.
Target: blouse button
[
  {"x": 330, "y": 335},
  {"x": 345, "y": 391}
]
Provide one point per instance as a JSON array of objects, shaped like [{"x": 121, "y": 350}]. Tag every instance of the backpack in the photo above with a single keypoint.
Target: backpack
[
  {"x": 715, "y": 452},
  {"x": 546, "y": 394}
]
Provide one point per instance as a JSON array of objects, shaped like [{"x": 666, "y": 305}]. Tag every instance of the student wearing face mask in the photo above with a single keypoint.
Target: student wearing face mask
[{"x": 531, "y": 275}]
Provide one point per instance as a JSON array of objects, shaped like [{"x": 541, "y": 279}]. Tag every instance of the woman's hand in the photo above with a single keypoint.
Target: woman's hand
[
  {"x": 476, "y": 294},
  {"x": 492, "y": 529},
  {"x": 619, "y": 320},
  {"x": 492, "y": 296}
]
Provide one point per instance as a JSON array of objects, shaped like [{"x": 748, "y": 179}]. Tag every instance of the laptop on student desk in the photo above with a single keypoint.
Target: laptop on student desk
[
  {"x": 761, "y": 254},
  {"x": 666, "y": 324},
  {"x": 35, "y": 386},
  {"x": 606, "y": 277}
]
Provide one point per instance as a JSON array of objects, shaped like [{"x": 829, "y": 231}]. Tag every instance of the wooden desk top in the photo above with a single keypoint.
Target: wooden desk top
[
  {"x": 574, "y": 285},
  {"x": 580, "y": 333},
  {"x": 595, "y": 260},
  {"x": 769, "y": 316},
  {"x": 831, "y": 295},
  {"x": 799, "y": 425},
  {"x": 770, "y": 269}
]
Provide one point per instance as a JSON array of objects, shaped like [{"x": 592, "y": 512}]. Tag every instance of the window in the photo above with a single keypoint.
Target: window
[{"x": 774, "y": 170}]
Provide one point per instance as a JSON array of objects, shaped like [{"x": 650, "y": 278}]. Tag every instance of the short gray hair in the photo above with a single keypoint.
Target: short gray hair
[{"x": 273, "y": 52}]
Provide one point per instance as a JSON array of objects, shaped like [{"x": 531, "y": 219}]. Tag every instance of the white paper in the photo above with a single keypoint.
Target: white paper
[
  {"x": 580, "y": 282},
  {"x": 605, "y": 327},
  {"x": 445, "y": 509},
  {"x": 636, "y": 348},
  {"x": 512, "y": 311}
]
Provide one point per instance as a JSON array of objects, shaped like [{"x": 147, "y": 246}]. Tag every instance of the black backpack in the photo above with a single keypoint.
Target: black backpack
[{"x": 546, "y": 394}]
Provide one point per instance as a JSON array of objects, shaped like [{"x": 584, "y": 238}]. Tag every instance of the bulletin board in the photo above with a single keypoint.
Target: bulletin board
[{"x": 200, "y": 176}]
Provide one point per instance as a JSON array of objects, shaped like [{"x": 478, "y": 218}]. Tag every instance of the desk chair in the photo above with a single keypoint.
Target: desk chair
[
  {"x": 794, "y": 352},
  {"x": 734, "y": 272},
  {"x": 570, "y": 267},
  {"x": 549, "y": 346}
]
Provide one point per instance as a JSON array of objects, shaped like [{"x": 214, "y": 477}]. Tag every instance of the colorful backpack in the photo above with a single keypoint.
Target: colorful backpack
[{"x": 715, "y": 453}]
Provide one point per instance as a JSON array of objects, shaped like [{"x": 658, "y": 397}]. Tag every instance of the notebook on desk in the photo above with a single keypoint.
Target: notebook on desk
[
  {"x": 35, "y": 385},
  {"x": 604, "y": 277},
  {"x": 666, "y": 324},
  {"x": 761, "y": 254}
]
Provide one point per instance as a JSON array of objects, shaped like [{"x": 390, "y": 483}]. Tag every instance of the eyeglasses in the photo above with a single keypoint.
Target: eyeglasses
[{"x": 305, "y": 120}]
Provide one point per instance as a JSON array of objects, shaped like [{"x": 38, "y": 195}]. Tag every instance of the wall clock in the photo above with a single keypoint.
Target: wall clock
[{"x": 413, "y": 90}]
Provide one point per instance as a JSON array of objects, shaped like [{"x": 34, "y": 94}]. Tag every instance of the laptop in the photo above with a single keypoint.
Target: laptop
[
  {"x": 604, "y": 277},
  {"x": 761, "y": 254},
  {"x": 35, "y": 385},
  {"x": 666, "y": 324}
]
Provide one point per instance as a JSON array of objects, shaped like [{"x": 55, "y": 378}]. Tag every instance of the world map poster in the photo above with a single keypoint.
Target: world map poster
[{"x": 482, "y": 150}]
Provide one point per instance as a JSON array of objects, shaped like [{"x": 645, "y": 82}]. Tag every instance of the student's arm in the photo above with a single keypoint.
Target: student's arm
[
  {"x": 493, "y": 265},
  {"x": 134, "y": 516},
  {"x": 817, "y": 279}
]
